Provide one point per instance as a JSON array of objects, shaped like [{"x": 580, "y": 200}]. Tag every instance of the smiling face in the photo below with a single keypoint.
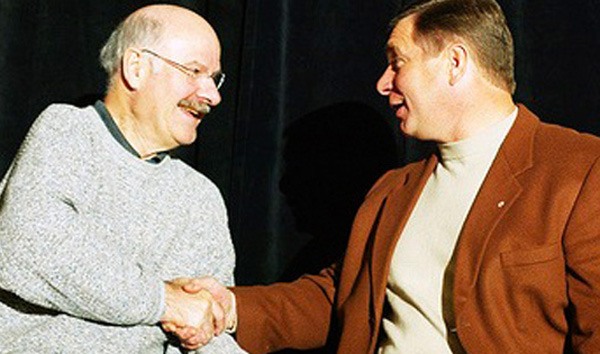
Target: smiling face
[
  {"x": 416, "y": 85},
  {"x": 170, "y": 101}
]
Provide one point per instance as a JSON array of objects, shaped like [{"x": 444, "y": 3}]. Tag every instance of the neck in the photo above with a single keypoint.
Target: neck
[
  {"x": 483, "y": 108},
  {"x": 120, "y": 108}
]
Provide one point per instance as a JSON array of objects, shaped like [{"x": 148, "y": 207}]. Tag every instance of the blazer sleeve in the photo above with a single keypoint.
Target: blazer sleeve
[
  {"x": 286, "y": 315},
  {"x": 582, "y": 252}
]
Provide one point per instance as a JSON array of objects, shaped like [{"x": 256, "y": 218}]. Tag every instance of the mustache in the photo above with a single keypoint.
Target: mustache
[{"x": 199, "y": 107}]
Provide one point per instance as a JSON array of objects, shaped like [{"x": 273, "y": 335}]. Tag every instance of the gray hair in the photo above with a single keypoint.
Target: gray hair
[{"x": 137, "y": 30}]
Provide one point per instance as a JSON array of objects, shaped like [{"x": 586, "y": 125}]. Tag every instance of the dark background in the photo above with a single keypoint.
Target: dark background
[{"x": 301, "y": 133}]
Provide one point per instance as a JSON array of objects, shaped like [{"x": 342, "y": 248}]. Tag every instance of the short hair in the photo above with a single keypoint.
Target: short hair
[
  {"x": 479, "y": 22},
  {"x": 136, "y": 30}
]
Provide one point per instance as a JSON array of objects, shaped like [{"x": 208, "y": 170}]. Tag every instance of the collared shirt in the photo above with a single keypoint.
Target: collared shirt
[{"x": 114, "y": 130}]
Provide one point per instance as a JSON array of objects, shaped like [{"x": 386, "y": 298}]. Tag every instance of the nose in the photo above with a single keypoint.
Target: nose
[
  {"x": 208, "y": 89},
  {"x": 384, "y": 84}
]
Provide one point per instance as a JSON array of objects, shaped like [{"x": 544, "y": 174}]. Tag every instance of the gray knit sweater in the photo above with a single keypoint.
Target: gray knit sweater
[{"x": 88, "y": 234}]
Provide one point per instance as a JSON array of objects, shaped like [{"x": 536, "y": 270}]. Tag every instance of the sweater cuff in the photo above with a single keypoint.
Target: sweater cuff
[{"x": 159, "y": 305}]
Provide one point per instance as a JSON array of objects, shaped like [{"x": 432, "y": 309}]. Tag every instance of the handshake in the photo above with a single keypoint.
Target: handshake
[{"x": 196, "y": 309}]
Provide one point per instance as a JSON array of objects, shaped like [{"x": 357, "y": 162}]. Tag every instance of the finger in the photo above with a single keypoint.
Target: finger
[
  {"x": 193, "y": 342},
  {"x": 216, "y": 289},
  {"x": 219, "y": 320},
  {"x": 192, "y": 347},
  {"x": 207, "y": 329},
  {"x": 184, "y": 334},
  {"x": 222, "y": 295},
  {"x": 169, "y": 327},
  {"x": 199, "y": 340}
]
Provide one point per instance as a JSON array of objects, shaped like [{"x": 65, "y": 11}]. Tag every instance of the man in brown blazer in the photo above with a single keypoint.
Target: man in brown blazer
[{"x": 491, "y": 245}]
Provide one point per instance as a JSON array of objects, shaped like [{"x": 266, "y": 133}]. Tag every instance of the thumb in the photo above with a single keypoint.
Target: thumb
[{"x": 197, "y": 284}]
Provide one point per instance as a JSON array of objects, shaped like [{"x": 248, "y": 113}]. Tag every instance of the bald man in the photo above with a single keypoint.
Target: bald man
[{"x": 97, "y": 219}]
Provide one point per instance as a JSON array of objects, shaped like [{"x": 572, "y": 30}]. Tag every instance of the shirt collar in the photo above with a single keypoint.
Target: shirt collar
[{"x": 114, "y": 130}]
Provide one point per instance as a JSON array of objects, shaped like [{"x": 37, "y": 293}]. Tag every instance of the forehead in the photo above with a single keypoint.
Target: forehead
[
  {"x": 187, "y": 47},
  {"x": 401, "y": 40}
]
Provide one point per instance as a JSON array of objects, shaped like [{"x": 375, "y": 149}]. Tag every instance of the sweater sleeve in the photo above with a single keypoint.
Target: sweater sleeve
[{"x": 48, "y": 255}]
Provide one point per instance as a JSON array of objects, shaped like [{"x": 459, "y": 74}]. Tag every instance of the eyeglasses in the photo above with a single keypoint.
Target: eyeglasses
[{"x": 194, "y": 73}]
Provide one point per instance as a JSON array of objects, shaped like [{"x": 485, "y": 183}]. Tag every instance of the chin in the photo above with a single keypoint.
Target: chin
[
  {"x": 186, "y": 140},
  {"x": 407, "y": 129}
]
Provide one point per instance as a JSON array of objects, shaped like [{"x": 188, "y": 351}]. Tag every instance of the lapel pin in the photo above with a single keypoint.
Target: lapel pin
[{"x": 501, "y": 204}]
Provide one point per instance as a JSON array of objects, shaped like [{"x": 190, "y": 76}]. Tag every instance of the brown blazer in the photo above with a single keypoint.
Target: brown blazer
[{"x": 527, "y": 276}]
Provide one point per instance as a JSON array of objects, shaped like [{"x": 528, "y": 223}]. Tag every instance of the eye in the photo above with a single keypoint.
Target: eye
[
  {"x": 196, "y": 71},
  {"x": 396, "y": 64}
]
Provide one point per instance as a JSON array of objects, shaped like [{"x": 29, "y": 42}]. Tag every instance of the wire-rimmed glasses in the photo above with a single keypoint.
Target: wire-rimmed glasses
[{"x": 217, "y": 77}]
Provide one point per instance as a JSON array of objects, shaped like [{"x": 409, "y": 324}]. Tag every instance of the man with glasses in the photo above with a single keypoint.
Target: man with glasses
[{"x": 99, "y": 226}]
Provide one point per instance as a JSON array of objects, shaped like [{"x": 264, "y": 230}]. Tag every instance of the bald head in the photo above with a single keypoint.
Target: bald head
[
  {"x": 153, "y": 26},
  {"x": 178, "y": 21}
]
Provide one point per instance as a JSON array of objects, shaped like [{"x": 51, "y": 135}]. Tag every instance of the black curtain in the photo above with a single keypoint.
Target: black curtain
[{"x": 301, "y": 133}]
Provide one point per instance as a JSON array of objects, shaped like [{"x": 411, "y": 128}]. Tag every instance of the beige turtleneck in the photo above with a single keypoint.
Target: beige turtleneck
[{"x": 419, "y": 316}]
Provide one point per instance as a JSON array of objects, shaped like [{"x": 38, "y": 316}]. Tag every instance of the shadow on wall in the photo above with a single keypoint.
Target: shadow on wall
[{"x": 332, "y": 157}]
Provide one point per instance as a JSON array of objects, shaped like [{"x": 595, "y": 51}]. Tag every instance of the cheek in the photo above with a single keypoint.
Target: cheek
[
  {"x": 399, "y": 80},
  {"x": 408, "y": 80},
  {"x": 170, "y": 87}
]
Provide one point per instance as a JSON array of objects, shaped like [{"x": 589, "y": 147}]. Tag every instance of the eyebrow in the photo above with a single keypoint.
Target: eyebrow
[
  {"x": 195, "y": 62},
  {"x": 393, "y": 52}
]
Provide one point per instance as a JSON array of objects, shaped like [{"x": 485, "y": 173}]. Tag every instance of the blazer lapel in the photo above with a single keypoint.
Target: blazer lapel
[{"x": 499, "y": 191}]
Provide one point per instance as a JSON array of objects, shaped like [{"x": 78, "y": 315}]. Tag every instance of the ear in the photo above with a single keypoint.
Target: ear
[
  {"x": 133, "y": 68},
  {"x": 457, "y": 57}
]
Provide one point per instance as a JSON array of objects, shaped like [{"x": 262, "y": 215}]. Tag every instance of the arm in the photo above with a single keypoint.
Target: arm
[
  {"x": 286, "y": 315},
  {"x": 582, "y": 248},
  {"x": 49, "y": 255},
  {"x": 270, "y": 318}
]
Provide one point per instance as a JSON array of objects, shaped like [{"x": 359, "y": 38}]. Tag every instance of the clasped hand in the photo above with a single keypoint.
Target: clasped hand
[{"x": 196, "y": 310}]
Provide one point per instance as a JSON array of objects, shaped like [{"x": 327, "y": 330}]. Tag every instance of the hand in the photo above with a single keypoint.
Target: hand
[
  {"x": 194, "y": 317},
  {"x": 221, "y": 294}
]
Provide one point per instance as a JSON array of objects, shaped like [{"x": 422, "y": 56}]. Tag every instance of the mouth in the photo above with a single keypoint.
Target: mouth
[
  {"x": 197, "y": 109},
  {"x": 396, "y": 106}
]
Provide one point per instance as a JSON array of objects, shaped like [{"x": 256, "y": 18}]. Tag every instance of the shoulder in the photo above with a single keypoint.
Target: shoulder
[
  {"x": 63, "y": 122},
  {"x": 550, "y": 144},
  {"x": 565, "y": 152},
  {"x": 566, "y": 141},
  {"x": 55, "y": 153},
  {"x": 61, "y": 135},
  {"x": 62, "y": 116},
  {"x": 392, "y": 178}
]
